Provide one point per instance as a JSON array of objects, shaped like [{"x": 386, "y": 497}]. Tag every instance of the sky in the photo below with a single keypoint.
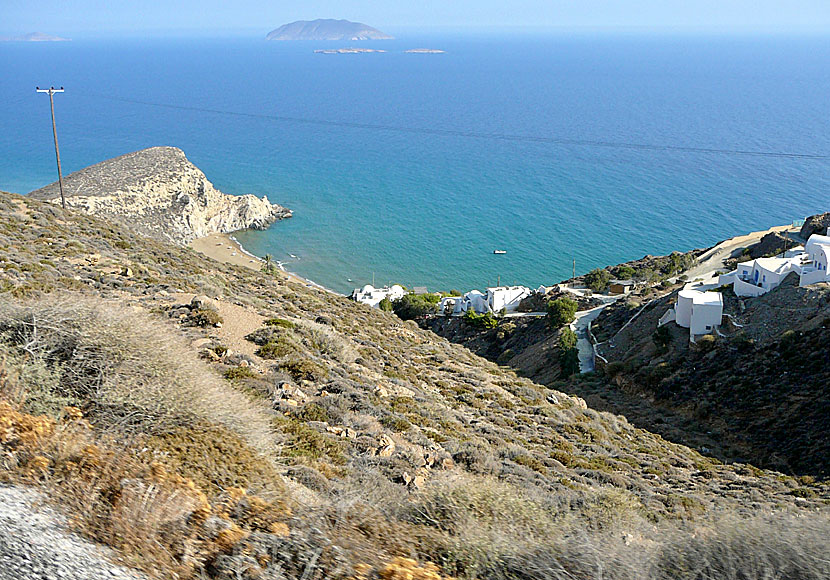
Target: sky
[{"x": 104, "y": 17}]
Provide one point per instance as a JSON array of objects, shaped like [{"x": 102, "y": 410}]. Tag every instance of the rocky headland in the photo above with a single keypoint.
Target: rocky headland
[
  {"x": 162, "y": 195},
  {"x": 326, "y": 29}
]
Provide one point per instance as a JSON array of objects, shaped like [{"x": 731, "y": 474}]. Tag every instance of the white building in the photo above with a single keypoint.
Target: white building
[
  {"x": 506, "y": 298},
  {"x": 458, "y": 305},
  {"x": 700, "y": 312},
  {"x": 757, "y": 277},
  {"x": 817, "y": 268},
  {"x": 373, "y": 296}
]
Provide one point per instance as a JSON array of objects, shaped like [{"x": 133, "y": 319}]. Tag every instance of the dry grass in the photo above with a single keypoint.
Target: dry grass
[
  {"x": 128, "y": 372},
  {"x": 159, "y": 520}
]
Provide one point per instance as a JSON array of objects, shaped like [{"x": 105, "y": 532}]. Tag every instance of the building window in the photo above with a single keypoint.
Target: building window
[{"x": 708, "y": 327}]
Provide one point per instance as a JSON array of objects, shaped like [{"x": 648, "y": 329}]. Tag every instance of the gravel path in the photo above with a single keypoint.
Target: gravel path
[{"x": 35, "y": 544}]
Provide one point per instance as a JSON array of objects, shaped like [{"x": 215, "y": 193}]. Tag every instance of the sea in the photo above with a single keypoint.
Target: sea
[{"x": 562, "y": 149}]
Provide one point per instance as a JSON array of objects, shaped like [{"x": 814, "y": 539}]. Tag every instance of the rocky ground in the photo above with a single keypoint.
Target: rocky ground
[{"x": 35, "y": 544}]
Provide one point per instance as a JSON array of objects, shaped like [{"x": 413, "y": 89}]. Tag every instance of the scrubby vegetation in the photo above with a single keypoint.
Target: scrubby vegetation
[
  {"x": 412, "y": 306},
  {"x": 359, "y": 447},
  {"x": 598, "y": 279},
  {"x": 561, "y": 312}
]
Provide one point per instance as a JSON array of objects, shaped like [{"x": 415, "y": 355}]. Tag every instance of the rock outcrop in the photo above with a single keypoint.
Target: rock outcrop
[
  {"x": 159, "y": 193},
  {"x": 326, "y": 29},
  {"x": 816, "y": 224}
]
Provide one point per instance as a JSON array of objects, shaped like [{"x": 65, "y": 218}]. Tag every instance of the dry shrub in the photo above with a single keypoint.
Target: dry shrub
[
  {"x": 326, "y": 341},
  {"x": 159, "y": 520},
  {"x": 731, "y": 547},
  {"x": 124, "y": 369}
]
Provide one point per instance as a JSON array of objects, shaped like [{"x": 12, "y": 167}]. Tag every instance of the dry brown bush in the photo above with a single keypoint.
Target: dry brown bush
[{"x": 127, "y": 371}]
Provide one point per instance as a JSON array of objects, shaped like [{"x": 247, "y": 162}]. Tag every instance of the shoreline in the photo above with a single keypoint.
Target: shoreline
[{"x": 226, "y": 248}]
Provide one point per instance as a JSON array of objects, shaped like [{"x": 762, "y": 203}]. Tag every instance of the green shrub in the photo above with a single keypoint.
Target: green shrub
[
  {"x": 598, "y": 279},
  {"x": 237, "y": 373},
  {"x": 314, "y": 412},
  {"x": 303, "y": 369},
  {"x": 397, "y": 424},
  {"x": 279, "y": 322},
  {"x": 483, "y": 321},
  {"x": 567, "y": 339},
  {"x": 412, "y": 306},
  {"x": 561, "y": 311},
  {"x": 277, "y": 348},
  {"x": 386, "y": 305}
]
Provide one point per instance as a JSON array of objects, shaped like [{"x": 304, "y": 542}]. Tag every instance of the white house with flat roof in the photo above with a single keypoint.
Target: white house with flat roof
[
  {"x": 506, "y": 298},
  {"x": 701, "y": 312},
  {"x": 373, "y": 296},
  {"x": 759, "y": 276}
]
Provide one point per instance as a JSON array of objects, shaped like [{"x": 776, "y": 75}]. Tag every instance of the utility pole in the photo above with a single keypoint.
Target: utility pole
[
  {"x": 574, "y": 274},
  {"x": 52, "y": 91}
]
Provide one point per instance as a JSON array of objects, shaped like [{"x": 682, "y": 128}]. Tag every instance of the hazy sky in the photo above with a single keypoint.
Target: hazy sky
[{"x": 83, "y": 17}]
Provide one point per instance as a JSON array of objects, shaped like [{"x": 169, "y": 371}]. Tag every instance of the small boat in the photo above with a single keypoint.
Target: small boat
[
  {"x": 349, "y": 280},
  {"x": 293, "y": 256},
  {"x": 499, "y": 251}
]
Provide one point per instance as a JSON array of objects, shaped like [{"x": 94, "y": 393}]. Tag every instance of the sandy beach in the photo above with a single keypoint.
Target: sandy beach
[{"x": 223, "y": 248}]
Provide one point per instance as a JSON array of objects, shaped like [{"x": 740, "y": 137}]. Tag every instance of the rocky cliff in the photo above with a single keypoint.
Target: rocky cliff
[{"x": 162, "y": 195}]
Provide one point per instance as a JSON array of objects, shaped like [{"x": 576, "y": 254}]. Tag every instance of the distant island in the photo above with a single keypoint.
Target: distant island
[
  {"x": 346, "y": 50},
  {"x": 424, "y": 51},
  {"x": 34, "y": 37},
  {"x": 326, "y": 29}
]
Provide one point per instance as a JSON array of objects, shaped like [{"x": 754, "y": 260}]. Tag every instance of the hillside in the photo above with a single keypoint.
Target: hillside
[
  {"x": 758, "y": 391},
  {"x": 159, "y": 193},
  {"x": 756, "y": 395},
  {"x": 326, "y": 29},
  {"x": 212, "y": 421}
]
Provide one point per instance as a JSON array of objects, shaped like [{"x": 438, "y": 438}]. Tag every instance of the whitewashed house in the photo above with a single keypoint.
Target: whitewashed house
[
  {"x": 457, "y": 305},
  {"x": 817, "y": 268},
  {"x": 701, "y": 312},
  {"x": 757, "y": 277},
  {"x": 373, "y": 296},
  {"x": 477, "y": 301},
  {"x": 506, "y": 298}
]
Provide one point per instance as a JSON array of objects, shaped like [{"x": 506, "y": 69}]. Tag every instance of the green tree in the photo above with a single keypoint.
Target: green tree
[
  {"x": 561, "y": 312},
  {"x": 386, "y": 305},
  {"x": 598, "y": 279},
  {"x": 625, "y": 272},
  {"x": 568, "y": 353},
  {"x": 412, "y": 306}
]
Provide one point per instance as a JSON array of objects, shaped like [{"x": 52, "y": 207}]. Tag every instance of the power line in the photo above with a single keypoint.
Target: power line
[{"x": 478, "y": 135}]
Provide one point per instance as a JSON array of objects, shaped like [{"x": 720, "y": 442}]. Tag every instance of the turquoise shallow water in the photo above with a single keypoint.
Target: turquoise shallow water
[{"x": 427, "y": 205}]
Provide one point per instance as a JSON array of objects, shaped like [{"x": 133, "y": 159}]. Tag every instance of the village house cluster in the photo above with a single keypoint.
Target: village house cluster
[
  {"x": 759, "y": 276},
  {"x": 701, "y": 311}
]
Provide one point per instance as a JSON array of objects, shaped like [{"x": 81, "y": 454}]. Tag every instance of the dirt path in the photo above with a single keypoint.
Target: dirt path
[{"x": 714, "y": 258}]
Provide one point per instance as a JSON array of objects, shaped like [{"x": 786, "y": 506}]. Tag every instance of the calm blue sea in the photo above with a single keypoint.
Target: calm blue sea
[{"x": 427, "y": 205}]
